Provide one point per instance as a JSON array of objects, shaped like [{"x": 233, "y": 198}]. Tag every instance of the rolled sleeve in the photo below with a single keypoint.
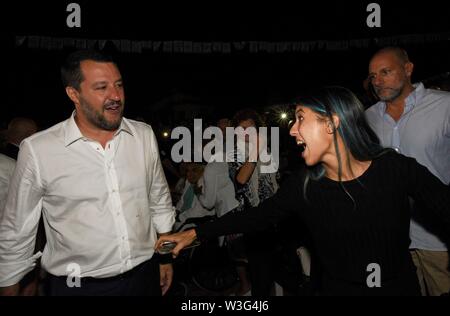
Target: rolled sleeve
[{"x": 210, "y": 187}]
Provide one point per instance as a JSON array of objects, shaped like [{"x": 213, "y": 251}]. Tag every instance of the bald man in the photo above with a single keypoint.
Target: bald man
[
  {"x": 415, "y": 122},
  {"x": 18, "y": 129}
]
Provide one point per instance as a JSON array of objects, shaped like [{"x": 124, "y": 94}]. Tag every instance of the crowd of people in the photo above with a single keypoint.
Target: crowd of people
[{"x": 86, "y": 204}]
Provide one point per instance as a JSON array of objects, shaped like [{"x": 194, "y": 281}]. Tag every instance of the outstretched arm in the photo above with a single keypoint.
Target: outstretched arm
[{"x": 285, "y": 203}]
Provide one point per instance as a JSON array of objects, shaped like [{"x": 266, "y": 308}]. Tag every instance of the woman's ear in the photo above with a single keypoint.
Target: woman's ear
[{"x": 335, "y": 122}]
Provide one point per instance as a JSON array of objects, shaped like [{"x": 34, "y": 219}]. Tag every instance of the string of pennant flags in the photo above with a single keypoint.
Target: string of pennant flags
[{"x": 218, "y": 47}]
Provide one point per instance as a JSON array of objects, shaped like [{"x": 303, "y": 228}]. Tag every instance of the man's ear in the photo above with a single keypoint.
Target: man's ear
[
  {"x": 73, "y": 95},
  {"x": 336, "y": 122},
  {"x": 409, "y": 67}
]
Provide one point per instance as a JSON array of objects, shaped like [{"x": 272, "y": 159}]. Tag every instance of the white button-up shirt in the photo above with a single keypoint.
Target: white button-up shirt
[
  {"x": 102, "y": 207},
  {"x": 218, "y": 189},
  {"x": 6, "y": 170}
]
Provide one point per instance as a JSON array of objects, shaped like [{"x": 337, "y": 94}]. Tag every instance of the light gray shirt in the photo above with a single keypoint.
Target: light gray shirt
[
  {"x": 423, "y": 133},
  {"x": 218, "y": 191},
  {"x": 195, "y": 210}
]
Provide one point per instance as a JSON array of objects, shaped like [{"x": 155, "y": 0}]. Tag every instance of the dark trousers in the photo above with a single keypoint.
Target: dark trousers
[
  {"x": 260, "y": 251},
  {"x": 143, "y": 280}
]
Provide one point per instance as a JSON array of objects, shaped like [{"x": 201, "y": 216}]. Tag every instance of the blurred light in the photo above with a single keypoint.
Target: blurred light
[
  {"x": 283, "y": 116},
  {"x": 165, "y": 134}
]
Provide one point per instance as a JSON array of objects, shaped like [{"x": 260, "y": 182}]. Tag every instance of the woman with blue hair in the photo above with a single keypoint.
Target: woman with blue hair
[{"x": 352, "y": 195}]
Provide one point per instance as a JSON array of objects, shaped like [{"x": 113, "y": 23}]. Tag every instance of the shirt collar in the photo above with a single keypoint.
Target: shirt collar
[
  {"x": 413, "y": 98},
  {"x": 72, "y": 132}
]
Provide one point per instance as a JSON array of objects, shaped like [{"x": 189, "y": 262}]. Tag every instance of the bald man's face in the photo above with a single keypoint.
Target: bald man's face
[
  {"x": 389, "y": 76},
  {"x": 21, "y": 128}
]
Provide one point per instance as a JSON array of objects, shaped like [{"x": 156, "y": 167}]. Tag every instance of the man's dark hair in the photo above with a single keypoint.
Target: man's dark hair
[
  {"x": 247, "y": 114},
  {"x": 71, "y": 74}
]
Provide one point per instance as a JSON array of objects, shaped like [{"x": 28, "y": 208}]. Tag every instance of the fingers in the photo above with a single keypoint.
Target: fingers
[
  {"x": 166, "y": 278},
  {"x": 12, "y": 290},
  {"x": 182, "y": 239},
  {"x": 177, "y": 249},
  {"x": 164, "y": 238},
  {"x": 158, "y": 243},
  {"x": 164, "y": 289}
]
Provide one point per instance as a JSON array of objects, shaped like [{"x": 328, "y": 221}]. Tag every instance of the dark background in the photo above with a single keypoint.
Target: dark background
[{"x": 222, "y": 82}]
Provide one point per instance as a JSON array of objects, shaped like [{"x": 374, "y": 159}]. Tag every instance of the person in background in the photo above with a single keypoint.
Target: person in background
[
  {"x": 19, "y": 128},
  {"x": 252, "y": 187},
  {"x": 7, "y": 165},
  {"x": 415, "y": 121},
  {"x": 189, "y": 208}
]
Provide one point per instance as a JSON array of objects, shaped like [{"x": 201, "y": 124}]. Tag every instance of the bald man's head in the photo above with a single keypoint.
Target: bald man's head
[
  {"x": 390, "y": 74},
  {"x": 20, "y": 128},
  {"x": 399, "y": 53}
]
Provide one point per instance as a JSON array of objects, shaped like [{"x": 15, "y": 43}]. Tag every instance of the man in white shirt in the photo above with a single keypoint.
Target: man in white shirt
[
  {"x": 98, "y": 181},
  {"x": 7, "y": 165},
  {"x": 218, "y": 190},
  {"x": 189, "y": 207},
  {"x": 18, "y": 129}
]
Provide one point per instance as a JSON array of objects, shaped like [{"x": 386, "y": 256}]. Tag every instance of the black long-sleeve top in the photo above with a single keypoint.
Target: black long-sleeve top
[{"x": 348, "y": 236}]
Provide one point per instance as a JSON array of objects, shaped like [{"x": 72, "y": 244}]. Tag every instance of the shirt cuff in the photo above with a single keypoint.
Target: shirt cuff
[
  {"x": 12, "y": 273},
  {"x": 164, "y": 221}
]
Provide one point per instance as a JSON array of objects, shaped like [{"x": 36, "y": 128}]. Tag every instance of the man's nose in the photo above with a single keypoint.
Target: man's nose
[
  {"x": 377, "y": 81},
  {"x": 115, "y": 94}
]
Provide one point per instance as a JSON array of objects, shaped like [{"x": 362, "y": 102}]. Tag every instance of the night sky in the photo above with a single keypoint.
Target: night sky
[{"x": 225, "y": 81}]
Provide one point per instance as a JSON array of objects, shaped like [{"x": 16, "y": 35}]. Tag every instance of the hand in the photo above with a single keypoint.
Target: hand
[
  {"x": 257, "y": 148},
  {"x": 183, "y": 239},
  {"x": 30, "y": 289},
  {"x": 166, "y": 277},
  {"x": 12, "y": 290}
]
